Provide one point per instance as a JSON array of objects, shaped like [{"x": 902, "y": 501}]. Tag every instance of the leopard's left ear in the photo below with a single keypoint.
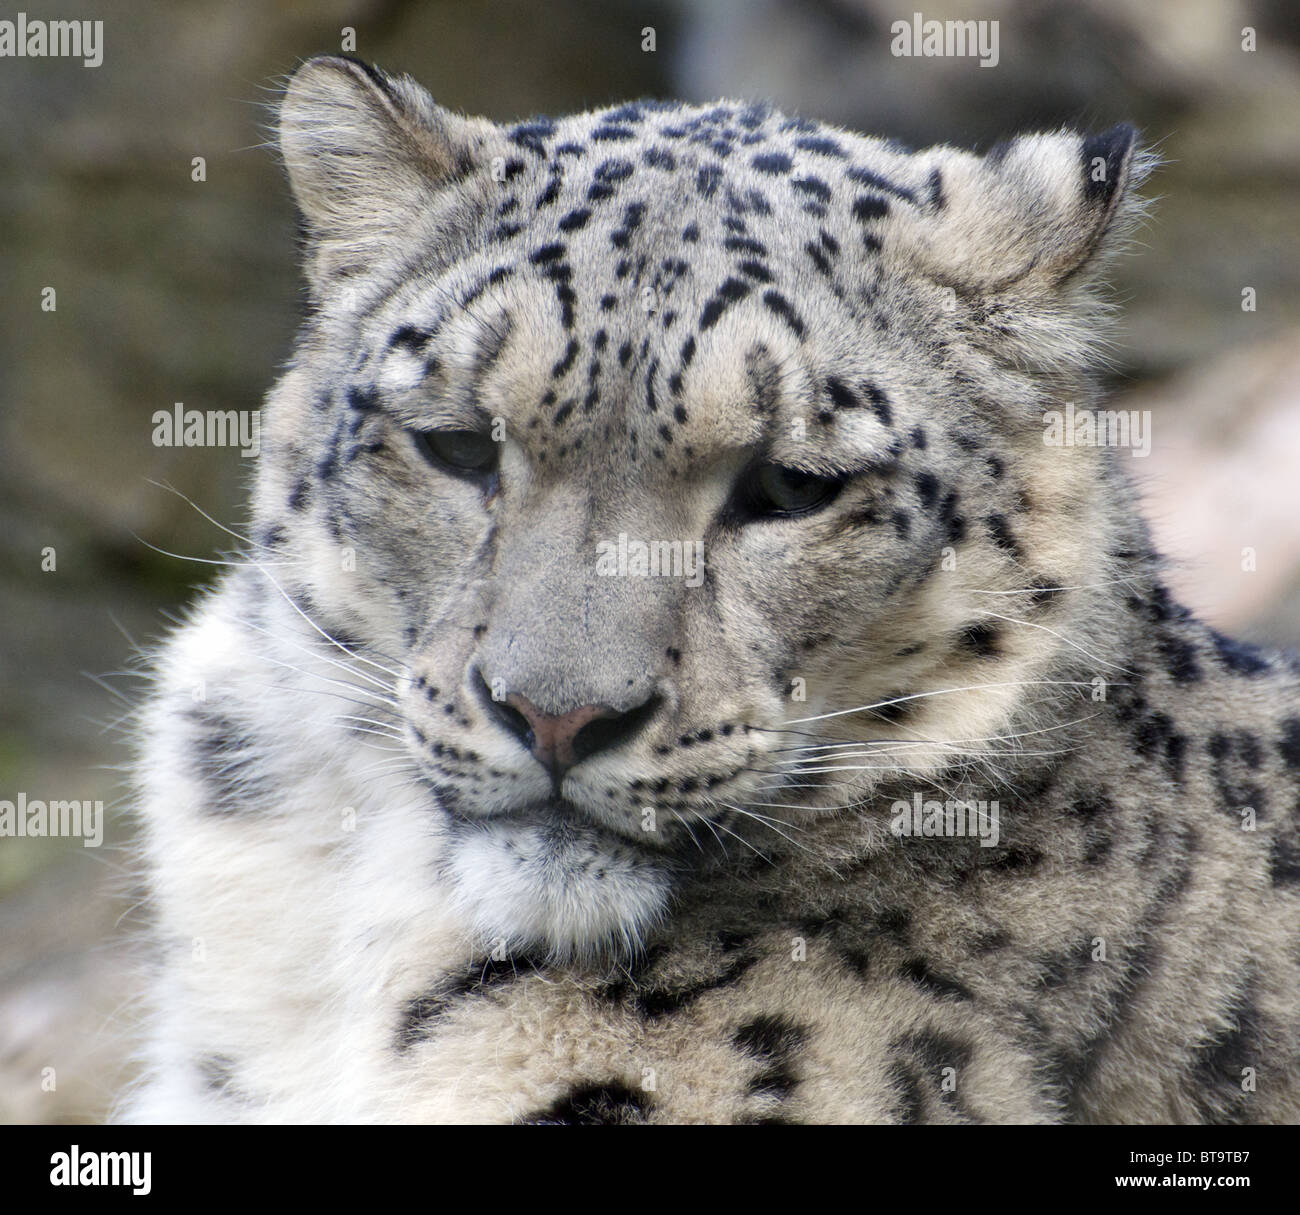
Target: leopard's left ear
[
  {"x": 1031, "y": 214},
  {"x": 371, "y": 159}
]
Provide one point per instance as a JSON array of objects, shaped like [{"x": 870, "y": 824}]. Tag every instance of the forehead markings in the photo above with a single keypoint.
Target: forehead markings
[
  {"x": 718, "y": 130},
  {"x": 431, "y": 371},
  {"x": 797, "y": 403}
]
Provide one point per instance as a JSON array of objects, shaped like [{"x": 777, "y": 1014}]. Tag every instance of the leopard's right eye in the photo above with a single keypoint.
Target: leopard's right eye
[
  {"x": 771, "y": 491},
  {"x": 461, "y": 452}
]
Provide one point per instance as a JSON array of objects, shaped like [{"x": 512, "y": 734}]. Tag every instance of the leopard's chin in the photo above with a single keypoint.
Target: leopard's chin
[{"x": 556, "y": 887}]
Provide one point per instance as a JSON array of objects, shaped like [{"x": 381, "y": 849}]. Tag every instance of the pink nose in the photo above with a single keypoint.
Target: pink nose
[{"x": 552, "y": 737}]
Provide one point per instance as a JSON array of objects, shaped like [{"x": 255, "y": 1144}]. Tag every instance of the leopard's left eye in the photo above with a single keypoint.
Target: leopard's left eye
[
  {"x": 772, "y": 490},
  {"x": 468, "y": 452}
]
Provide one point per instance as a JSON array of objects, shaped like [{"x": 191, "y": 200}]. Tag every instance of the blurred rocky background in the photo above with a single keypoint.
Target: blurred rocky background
[{"x": 170, "y": 289}]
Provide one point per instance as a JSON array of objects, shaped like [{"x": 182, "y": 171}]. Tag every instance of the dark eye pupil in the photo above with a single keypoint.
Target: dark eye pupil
[
  {"x": 789, "y": 491},
  {"x": 462, "y": 450}
]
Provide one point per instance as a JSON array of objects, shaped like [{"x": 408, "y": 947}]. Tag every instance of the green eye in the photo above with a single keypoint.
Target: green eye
[
  {"x": 772, "y": 489},
  {"x": 459, "y": 451}
]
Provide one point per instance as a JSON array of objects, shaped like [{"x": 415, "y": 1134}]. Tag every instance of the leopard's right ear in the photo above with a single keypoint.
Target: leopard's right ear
[{"x": 368, "y": 155}]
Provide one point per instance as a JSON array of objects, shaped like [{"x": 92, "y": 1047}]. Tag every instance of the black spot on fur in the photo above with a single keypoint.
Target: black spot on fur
[
  {"x": 769, "y": 1037},
  {"x": 410, "y": 338},
  {"x": 981, "y": 639},
  {"x": 533, "y": 134},
  {"x": 910, "y": 1110},
  {"x": 1015, "y": 860},
  {"x": 1154, "y": 734},
  {"x": 780, "y": 306},
  {"x": 918, "y": 971},
  {"x": 1001, "y": 533},
  {"x": 1239, "y": 657},
  {"x": 576, "y": 220},
  {"x": 731, "y": 939},
  {"x": 879, "y": 404},
  {"x": 226, "y": 760},
  {"x": 892, "y": 922},
  {"x": 659, "y": 158},
  {"x": 901, "y": 708},
  {"x": 814, "y": 187},
  {"x": 608, "y": 1104},
  {"x": 1284, "y": 860},
  {"x": 566, "y": 361},
  {"x": 610, "y": 171},
  {"x": 707, "y": 180},
  {"x": 818, "y": 257},
  {"x": 1180, "y": 658},
  {"x": 842, "y": 397},
  {"x": 820, "y": 145},
  {"x": 729, "y": 293},
  {"x": 1042, "y": 594},
  {"x": 874, "y": 181},
  {"x": 1289, "y": 747},
  {"x": 217, "y": 1072},
  {"x": 775, "y": 163},
  {"x": 927, "y": 488},
  {"x": 652, "y": 1001},
  {"x": 917, "y": 1074},
  {"x": 1096, "y": 812},
  {"x": 548, "y": 254},
  {"x": 935, "y": 185},
  {"x": 1220, "y": 1063},
  {"x": 362, "y": 399},
  {"x": 868, "y": 207},
  {"x": 421, "y": 1014}
]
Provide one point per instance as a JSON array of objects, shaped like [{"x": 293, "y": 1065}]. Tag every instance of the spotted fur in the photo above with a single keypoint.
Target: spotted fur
[{"x": 373, "y": 902}]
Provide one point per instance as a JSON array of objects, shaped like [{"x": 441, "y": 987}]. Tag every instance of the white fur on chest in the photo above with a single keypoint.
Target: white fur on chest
[{"x": 292, "y": 931}]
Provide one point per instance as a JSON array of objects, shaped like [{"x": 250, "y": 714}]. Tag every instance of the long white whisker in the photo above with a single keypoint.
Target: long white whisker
[
  {"x": 974, "y": 687},
  {"x": 380, "y": 734},
  {"x": 171, "y": 489},
  {"x": 386, "y": 727},
  {"x": 334, "y": 662},
  {"x": 681, "y": 819},
  {"x": 1061, "y": 637},
  {"x": 373, "y": 702},
  {"x": 209, "y": 560},
  {"x": 796, "y": 765},
  {"x": 768, "y": 823},
  {"x": 1081, "y": 586},
  {"x": 744, "y": 841},
  {"x": 333, "y": 641},
  {"x": 888, "y": 743},
  {"x": 375, "y": 699},
  {"x": 108, "y": 687}
]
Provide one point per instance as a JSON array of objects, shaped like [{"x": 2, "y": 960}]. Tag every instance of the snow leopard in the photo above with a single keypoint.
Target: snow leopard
[{"x": 677, "y": 670}]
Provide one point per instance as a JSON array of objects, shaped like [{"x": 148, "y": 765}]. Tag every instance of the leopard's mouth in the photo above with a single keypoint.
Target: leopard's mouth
[
  {"x": 547, "y": 875},
  {"x": 555, "y": 820}
]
